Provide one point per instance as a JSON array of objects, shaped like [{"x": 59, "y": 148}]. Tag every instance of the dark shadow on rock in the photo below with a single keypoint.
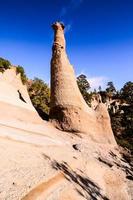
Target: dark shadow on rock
[
  {"x": 42, "y": 114},
  {"x": 129, "y": 177},
  {"x": 105, "y": 161},
  {"x": 124, "y": 165},
  {"x": 76, "y": 147},
  {"x": 90, "y": 188},
  {"x": 21, "y": 97}
]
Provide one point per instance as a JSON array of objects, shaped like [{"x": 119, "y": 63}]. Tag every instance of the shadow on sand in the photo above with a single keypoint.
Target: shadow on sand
[{"x": 88, "y": 189}]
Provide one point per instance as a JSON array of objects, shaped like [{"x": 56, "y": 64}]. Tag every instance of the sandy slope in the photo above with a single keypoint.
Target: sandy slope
[{"x": 46, "y": 164}]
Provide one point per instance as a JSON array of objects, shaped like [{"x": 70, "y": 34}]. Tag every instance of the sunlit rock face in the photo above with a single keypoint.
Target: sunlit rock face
[
  {"x": 69, "y": 111},
  {"x": 15, "y": 103}
]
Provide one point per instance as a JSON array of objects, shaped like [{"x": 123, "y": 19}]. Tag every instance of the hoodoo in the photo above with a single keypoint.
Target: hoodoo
[{"x": 68, "y": 110}]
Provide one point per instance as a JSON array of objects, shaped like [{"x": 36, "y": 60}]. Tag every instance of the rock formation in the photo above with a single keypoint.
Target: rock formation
[
  {"x": 95, "y": 100},
  {"x": 38, "y": 161},
  {"x": 69, "y": 111},
  {"x": 15, "y": 103}
]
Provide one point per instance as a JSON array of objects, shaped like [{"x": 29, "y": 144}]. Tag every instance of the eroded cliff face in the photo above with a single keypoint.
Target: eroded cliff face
[
  {"x": 69, "y": 111},
  {"x": 15, "y": 103}
]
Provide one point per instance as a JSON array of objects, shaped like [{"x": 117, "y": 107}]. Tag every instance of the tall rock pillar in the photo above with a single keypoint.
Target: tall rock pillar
[
  {"x": 68, "y": 110},
  {"x": 67, "y": 102}
]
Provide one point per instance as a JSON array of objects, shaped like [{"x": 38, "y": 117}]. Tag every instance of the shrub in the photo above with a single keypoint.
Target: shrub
[
  {"x": 4, "y": 64},
  {"x": 20, "y": 70},
  {"x": 39, "y": 93}
]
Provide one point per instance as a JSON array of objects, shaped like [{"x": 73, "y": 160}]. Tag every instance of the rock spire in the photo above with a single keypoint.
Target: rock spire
[{"x": 68, "y": 110}]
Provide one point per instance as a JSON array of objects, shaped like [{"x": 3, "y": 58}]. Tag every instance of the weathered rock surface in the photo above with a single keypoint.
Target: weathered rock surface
[
  {"x": 69, "y": 112},
  {"x": 15, "y": 103},
  {"x": 30, "y": 171}
]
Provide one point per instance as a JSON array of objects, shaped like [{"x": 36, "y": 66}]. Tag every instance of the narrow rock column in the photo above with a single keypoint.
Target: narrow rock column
[
  {"x": 63, "y": 80},
  {"x": 68, "y": 109},
  {"x": 67, "y": 102}
]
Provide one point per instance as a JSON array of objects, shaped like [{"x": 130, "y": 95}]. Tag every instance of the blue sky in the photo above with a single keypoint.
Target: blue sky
[{"x": 99, "y": 36}]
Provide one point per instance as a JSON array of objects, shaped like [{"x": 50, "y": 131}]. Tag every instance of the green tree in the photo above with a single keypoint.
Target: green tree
[
  {"x": 127, "y": 92},
  {"x": 4, "y": 64},
  {"x": 122, "y": 120},
  {"x": 103, "y": 96},
  {"x": 83, "y": 83},
  {"x": 99, "y": 88},
  {"x": 128, "y": 119},
  {"x": 20, "y": 70},
  {"x": 125, "y": 138},
  {"x": 84, "y": 86},
  {"x": 39, "y": 93},
  {"x": 110, "y": 88}
]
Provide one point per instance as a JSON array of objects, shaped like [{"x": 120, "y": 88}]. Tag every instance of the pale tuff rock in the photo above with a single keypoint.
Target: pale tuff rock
[
  {"x": 69, "y": 111},
  {"x": 15, "y": 103},
  {"x": 95, "y": 100},
  {"x": 12, "y": 88}
]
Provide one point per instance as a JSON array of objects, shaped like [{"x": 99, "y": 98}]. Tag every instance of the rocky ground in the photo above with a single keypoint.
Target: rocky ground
[
  {"x": 54, "y": 165},
  {"x": 39, "y": 162}
]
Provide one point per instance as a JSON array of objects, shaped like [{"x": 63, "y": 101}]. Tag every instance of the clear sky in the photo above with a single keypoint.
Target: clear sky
[{"x": 99, "y": 36}]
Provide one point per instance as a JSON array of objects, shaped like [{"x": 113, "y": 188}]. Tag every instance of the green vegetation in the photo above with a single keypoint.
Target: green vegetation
[
  {"x": 110, "y": 89},
  {"x": 4, "y": 64},
  {"x": 20, "y": 70},
  {"x": 84, "y": 87},
  {"x": 40, "y": 95},
  {"x": 127, "y": 92},
  {"x": 122, "y": 125},
  {"x": 122, "y": 119}
]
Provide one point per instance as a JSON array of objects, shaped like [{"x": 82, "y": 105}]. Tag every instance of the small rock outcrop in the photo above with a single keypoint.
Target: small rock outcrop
[
  {"x": 68, "y": 110},
  {"x": 95, "y": 100}
]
